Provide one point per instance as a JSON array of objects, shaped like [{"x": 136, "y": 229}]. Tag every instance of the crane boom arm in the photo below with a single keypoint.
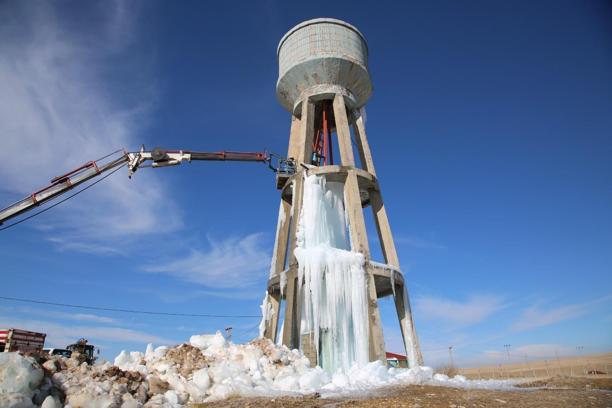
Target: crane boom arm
[
  {"x": 59, "y": 185},
  {"x": 134, "y": 160}
]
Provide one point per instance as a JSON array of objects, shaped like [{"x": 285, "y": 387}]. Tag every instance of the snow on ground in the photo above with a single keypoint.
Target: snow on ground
[{"x": 207, "y": 368}]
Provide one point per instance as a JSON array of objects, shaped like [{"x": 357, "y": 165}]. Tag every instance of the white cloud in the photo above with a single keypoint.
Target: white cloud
[
  {"x": 58, "y": 110},
  {"x": 181, "y": 296},
  {"x": 474, "y": 310},
  {"x": 82, "y": 317},
  {"x": 227, "y": 294},
  {"x": 535, "y": 316},
  {"x": 97, "y": 248},
  {"x": 230, "y": 263}
]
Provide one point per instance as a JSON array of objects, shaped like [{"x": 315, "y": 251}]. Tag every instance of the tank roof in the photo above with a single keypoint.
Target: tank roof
[{"x": 318, "y": 21}]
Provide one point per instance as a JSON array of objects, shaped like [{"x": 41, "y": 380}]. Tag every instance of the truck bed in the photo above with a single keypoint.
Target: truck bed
[{"x": 21, "y": 340}]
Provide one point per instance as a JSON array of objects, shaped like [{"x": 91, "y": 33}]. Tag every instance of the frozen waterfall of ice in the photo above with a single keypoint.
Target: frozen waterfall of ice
[{"x": 332, "y": 278}]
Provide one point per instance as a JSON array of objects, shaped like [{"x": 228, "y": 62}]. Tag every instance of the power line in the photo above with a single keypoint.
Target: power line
[
  {"x": 62, "y": 200},
  {"x": 110, "y": 309}
]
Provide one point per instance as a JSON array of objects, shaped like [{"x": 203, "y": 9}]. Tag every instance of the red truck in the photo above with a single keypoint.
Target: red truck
[{"x": 21, "y": 340}]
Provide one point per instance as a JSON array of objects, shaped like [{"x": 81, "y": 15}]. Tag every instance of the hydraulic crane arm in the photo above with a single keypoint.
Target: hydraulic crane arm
[
  {"x": 162, "y": 158},
  {"x": 135, "y": 160}
]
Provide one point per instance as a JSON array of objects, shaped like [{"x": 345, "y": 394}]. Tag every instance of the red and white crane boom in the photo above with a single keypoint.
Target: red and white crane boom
[{"x": 135, "y": 160}]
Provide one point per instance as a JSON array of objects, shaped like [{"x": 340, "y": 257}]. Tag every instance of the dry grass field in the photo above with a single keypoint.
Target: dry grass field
[{"x": 592, "y": 366}]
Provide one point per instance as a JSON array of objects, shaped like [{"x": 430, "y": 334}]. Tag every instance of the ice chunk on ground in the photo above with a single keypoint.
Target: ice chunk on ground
[
  {"x": 208, "y": 368},
  {"x": 15, "y": 400},
  {"x": 51, "y": 402},
  {"x": 201, "y": 379},
  {"x": 205, "y": 341},
  {"x": 20, "y": 377},
  {"x": 150, "y": 351},
  {"x": 133, "y": 361}
]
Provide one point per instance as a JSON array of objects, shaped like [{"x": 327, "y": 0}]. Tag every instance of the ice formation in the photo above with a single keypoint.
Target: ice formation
[
  {"x": 279, "y": 226},
  {"x": 332, "y": 279},
  {"x": 207, "y": 368},
  {"x": 267, "y": 313}
]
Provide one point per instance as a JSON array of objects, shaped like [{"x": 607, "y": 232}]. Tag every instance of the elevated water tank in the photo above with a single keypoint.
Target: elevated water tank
[{"x": 320, "y": 58}]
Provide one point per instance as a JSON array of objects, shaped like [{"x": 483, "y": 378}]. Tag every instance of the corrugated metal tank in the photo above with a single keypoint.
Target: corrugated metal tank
[{"x": 319, "y": 58}]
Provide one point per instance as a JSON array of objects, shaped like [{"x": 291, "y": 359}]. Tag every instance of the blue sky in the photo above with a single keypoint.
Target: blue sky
[{"x": 490, "y": 125}]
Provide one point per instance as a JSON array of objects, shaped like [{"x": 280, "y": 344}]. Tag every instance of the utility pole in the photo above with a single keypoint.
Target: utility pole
[
  {"x": 527, "y": 367},
  {"x": 450, "y": 357},
  {"x": 507, "y": 347},
  {"x": 579, "y": 350},
  {"x": 558, "y": 362}
]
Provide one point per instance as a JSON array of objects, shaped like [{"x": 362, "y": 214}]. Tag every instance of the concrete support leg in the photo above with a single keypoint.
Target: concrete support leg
[
  {"x": 291, "y": 291},
  {"x": 383, "y": 228},
  {"x": 302, "y": 147},
  {"x": 305, "y": 137},
  {"x": 402, "y": 302},
  {"x": 375, "y": 331},
  {"x": 389, "y": 251},
  {"x": 294, "y": 137},
  {"x": 357, "y": 228},
  {"x": 290, "y": 322},
  {"x": 344, "y": 132},
  {"x": 404, "y": 314},
  {"x": 365, "y": 155}
]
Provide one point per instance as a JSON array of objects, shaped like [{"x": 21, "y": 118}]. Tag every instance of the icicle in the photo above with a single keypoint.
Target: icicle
[
  {"x": 266, "y": 314},
  {"x": 279, "y": 338},
  {"x": 283, "y": 282}
]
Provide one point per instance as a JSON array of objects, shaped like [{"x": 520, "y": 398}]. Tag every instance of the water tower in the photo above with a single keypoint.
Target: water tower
[{"x": 324, "y": 83}]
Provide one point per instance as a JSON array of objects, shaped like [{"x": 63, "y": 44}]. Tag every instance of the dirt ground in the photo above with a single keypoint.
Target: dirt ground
[{"x": 548, "y": 393}]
